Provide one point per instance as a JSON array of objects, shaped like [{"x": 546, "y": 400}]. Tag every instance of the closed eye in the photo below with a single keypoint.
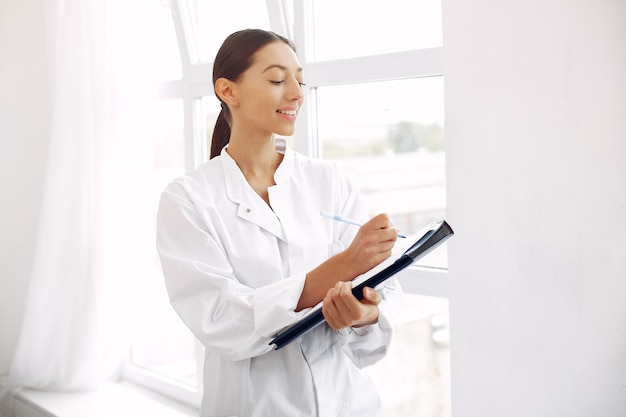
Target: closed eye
[{"x": 301, "y": 84}]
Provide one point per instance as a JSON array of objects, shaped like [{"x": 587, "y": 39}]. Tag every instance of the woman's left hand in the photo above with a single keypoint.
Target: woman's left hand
[{"x": 342, "y": 309}]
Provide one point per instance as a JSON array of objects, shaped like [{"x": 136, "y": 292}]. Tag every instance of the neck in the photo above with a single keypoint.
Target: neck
[{"x": 256, "y": 157}]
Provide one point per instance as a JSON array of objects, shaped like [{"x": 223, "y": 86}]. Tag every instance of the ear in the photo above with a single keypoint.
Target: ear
[{"x": 226, "y": 90}]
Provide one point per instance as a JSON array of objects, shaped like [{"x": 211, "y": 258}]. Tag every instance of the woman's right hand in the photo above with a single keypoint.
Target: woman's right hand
[{"x": 372, "y": 244}]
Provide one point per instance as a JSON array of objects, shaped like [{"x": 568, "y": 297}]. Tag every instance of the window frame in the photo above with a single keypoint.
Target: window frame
[{"x": 196, "y": 83}]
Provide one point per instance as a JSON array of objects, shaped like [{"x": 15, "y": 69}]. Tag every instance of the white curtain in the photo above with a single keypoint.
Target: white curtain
[
  {"x": 61, "y": 345},
  {"x": 95, "y": 249}
]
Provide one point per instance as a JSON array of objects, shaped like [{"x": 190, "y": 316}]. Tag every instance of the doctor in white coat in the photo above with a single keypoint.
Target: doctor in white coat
[{"x": 245, "y": 253}]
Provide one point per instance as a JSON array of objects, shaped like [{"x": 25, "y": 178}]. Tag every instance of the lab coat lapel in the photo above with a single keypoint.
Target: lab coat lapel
[
  {"x": 251, "y": 208},
  {"x": 262, "y": 216}
]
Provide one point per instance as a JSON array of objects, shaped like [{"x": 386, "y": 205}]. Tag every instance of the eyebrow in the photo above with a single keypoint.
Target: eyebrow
[{"x": 282, "y": 67}]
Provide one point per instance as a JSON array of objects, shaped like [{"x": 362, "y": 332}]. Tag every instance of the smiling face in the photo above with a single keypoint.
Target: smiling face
[{"x": 268, "y": 95}]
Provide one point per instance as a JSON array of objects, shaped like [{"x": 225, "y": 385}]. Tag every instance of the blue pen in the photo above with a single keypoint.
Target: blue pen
[{"x": 344, "y": 220}]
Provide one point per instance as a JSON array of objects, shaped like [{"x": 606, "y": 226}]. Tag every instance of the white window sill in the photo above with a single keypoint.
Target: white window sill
[{"x": 112, "y": 400}]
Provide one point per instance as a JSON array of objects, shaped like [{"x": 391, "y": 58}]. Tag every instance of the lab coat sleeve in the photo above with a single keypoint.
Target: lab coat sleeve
[{"x": 223, "y": 314}]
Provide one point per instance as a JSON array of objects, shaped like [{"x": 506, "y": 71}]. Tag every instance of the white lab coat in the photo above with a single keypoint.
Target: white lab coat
[{"x": 235, "y": 269}]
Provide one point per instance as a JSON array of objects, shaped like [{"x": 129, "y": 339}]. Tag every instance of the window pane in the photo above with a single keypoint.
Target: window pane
[
  {"x": 388, "y": 137},
  {"x": 146, "y": 48},
  {"x": 413, "y": 379},
  {"x": 162, "y": 343},
  {"x": 215, "y": 20},
  {"x": 209, "y": 110},
  {"x": 351, "y": 28}
]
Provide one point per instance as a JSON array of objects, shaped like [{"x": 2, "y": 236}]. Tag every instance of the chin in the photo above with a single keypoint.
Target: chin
[{"x": 284, "y": 132}]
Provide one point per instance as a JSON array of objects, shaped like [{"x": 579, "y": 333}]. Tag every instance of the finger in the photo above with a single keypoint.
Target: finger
[
  {"x": 334, "y": 318},
  {"x": 383, "y": 222},
  {"x": 382, "y": 250},
  {"x": 381, "y": 240},
  {"x": 344, "y": 308},
  {"x": 384, "y": 230},
  {"x": 380, "y": 221},
  {"x": 388, "y": 237},
  {"x": 371, "y": 296},
  {"x": 337, "y": 306},
  {"x": 329, "y": 311},
  {"x": 345, "y": 302}
]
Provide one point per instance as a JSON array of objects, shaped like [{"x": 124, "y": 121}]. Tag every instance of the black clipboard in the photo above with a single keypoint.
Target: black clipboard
[{"x": 424, "y": 242}]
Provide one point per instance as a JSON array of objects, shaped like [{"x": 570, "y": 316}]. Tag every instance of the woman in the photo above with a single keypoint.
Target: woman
[{"x": 245, "y": 252}]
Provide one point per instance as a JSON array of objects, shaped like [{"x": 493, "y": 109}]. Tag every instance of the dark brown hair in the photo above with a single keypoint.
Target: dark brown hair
[{"x": 234, "y": 57}]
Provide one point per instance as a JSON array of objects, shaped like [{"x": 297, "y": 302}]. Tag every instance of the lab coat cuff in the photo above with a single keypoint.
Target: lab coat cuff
[
  {"x": 275, "y": 305},
  {"x": 380, "y": 331},
  {"x": 368, "y": 344}
]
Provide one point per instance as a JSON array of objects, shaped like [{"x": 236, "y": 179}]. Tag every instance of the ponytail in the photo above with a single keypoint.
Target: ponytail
[{"x": 221, "y": 133}]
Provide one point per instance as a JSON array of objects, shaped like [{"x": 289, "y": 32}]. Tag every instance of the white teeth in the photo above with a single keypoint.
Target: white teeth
[{"x": 288, "y": 112}]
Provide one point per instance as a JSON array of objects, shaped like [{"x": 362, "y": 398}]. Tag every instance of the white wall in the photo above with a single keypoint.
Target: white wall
[
  {"x": 536, "y": 127},
  {"x": 24, "y": 125}
]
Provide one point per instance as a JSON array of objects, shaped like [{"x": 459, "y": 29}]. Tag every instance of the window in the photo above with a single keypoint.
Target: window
[
  {"x": 413, "y": 379},
  {"x": 211, "y": 28},
  {"x": 388, "y": 137},
  {"x": 377, "y": 110},
  {"x": 374, "y": 27}
]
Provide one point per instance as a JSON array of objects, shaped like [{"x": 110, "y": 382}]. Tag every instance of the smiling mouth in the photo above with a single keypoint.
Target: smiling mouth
[{"x": 288, "y": 112}]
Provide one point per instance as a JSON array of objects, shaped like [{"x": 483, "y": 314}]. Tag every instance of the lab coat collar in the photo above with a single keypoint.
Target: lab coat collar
[
  {"x": 251, "y": 206},
  {"x": 286, "y": 166}
]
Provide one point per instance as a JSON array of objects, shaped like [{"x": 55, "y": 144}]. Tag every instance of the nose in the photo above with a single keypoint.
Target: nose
[{"x": 295, "y": 89}]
